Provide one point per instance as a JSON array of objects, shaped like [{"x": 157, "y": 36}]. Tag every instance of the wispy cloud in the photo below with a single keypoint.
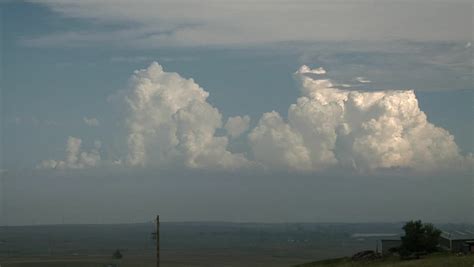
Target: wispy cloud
[
  {"x": 33, "y": 121},
  {"x": 93, "y": 122},
  {"x": 130, "y": 59},
  {"x": 427, "y": 66},
  {"x": 363, "y": 80},
  {"x": 139, "y": 59},
  {"x": 203, "y": 23}
]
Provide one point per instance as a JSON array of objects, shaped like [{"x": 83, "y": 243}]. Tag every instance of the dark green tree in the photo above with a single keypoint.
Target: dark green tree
[
  {"x": 419, "y": 238},
  {"x": 431, "y": 240},
  {"x": 117, "y": 254}
]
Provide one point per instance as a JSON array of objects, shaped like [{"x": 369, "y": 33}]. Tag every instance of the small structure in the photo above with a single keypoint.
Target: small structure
[
  {"x": 471, "y": 245},
  {"x": 457, "y": 241},
  {"x": 388, "y": 245}
]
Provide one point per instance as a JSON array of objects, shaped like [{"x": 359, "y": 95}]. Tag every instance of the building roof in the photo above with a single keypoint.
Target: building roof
[
  {"x": 452, "y": 232},
  {"x": 458, "y": 232}
]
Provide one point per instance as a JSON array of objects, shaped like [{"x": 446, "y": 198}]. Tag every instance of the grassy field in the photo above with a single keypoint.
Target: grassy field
[
  {"x": 439, "y": 260},
  {"x": 174, "y": 258},
  {"x": 195, "y": 244},
  {"x": 184, "y": 244},
  {"x": 435, "y": 260}
]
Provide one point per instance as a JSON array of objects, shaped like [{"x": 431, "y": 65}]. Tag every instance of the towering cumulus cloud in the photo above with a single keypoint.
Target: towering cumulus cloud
[
  {"x": 169, "y": 121},
  {"x": 361, "y": 130}
]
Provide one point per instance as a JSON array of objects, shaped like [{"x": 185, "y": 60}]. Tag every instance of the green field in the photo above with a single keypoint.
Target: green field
[{"x": 436, "y": 260}]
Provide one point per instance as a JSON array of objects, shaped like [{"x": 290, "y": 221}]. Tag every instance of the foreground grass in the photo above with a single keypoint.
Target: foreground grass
[{"x": 435, "y": 260}]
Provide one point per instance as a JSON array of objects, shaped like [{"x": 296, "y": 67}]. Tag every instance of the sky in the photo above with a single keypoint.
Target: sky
[{"x": 245, "y": 111}]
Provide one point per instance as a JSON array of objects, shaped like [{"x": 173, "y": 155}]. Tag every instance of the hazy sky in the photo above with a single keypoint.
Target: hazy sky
[{"x": 236, "y": 111}]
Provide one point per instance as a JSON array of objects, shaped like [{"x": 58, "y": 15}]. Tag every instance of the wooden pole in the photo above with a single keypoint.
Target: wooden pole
[{"x": 158, "y": 241}]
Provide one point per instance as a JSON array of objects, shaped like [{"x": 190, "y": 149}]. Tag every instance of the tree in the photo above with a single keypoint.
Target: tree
[
  {"x": 419, "y": 238},
  {"x": 432, "y": 235},
  {"x": 117, "y": 254}
]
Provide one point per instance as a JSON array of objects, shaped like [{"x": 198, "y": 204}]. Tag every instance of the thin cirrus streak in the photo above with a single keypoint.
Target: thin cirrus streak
[{"x": 170, "y": 122}]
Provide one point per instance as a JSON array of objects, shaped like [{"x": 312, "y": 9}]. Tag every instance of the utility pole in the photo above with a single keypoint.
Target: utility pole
[{"x": 156, "y": 236}]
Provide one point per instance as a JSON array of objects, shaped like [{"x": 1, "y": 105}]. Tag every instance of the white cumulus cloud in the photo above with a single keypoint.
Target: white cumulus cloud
[
  {"x": 75, "y": 157},
  {"x": 170, "y": 121},
  {"x": 276, "y": 145},
  {"x": 305, "y": 69},
  {"x": 328, "y": 127},
  {"x": 235, "y": 126}
]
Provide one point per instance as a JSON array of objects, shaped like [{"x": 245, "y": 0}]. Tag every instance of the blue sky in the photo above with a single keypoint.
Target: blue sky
[{"x": 64, "y": 62}]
